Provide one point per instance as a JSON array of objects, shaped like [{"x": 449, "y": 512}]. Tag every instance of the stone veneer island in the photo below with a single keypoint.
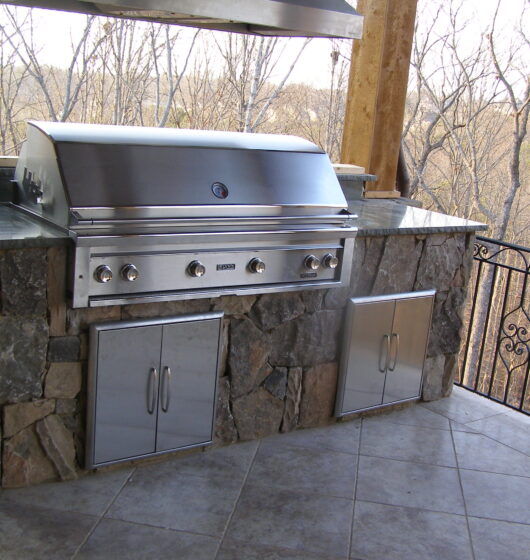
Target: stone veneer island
[{"x": 280, "y": 355}]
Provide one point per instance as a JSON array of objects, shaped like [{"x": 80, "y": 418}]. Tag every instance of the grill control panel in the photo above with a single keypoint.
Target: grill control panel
[{"x": 204, "y": 270}]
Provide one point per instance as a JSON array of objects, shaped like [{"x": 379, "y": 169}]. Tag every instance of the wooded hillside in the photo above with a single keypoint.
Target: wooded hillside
[{"x": 465, "y": 133}]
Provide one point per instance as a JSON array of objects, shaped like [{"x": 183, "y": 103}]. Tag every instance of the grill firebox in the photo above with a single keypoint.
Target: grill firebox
[{"x": 166, "y": 214}]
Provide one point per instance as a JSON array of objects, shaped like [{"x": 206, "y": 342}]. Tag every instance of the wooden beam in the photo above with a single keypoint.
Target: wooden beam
[{"x": 377, "y": 89}]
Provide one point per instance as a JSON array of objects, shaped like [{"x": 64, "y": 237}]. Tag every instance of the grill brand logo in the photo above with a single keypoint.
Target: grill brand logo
[
  {"x": 226, "y": 267},
  {"x": 308, "y": 275}
]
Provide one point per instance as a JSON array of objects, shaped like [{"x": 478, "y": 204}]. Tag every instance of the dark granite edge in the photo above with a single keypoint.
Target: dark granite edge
[
  {"x": 58, "y": 238},
  {"x": 372, "y": 232},
  {"x": 34, "y": 242},
  {"x": 384, "y": 217},
  {"x": 359, "y": 177},
  {"x": 39, "y": 234}
]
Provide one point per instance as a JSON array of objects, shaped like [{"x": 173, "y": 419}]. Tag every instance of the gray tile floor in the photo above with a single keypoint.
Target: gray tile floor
[{"x": 444, "y": 480}]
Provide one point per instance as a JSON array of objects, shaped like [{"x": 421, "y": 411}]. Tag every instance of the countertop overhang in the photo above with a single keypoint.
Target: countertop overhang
[
  {"x": 393, "y": 217},
  {"x": 19, "y": 230}
]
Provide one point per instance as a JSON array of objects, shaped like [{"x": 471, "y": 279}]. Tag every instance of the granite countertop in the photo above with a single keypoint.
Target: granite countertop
[
  {"x": 376, "y": 217},
  {"x": 390, "y": 217},
  {"x": 19, "y": 231}
]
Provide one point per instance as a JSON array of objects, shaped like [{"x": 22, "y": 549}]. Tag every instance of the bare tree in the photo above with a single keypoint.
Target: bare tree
[
  {"x": 467, "y": 125},
  {"x": 339, "y": 69},
  {"x": 201, "y": 103},
  {"x": 444, "y": 110},
  {"x": 457, "y": 137},
  {"x": 509, "y": 72},
  {"x": 12, "y": 80},
  {"x": 61, "y": 89},
  {"x": 167, "y": 77},
  {"x": 126, "y": 70},
  {"x": 317, "y": 113},
  {"x": 248, "y": 66}
]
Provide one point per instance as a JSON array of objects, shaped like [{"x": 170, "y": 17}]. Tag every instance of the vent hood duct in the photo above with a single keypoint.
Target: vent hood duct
[{"x": 288, "y": 18}]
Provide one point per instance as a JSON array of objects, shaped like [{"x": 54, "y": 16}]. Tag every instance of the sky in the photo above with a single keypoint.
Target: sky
[{"x": 54, "y": 31}]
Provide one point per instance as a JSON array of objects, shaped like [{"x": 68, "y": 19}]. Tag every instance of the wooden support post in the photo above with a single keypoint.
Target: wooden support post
[{"x": 377, "y": 90}]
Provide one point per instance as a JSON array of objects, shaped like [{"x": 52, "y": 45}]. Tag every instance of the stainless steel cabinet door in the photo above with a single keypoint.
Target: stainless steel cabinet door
[
  {"x": 187, "y": 386},
  {"x": 408, "y": 344},
  {"x": 367, "y": 345},
  {"x": 126, "y": 391}
]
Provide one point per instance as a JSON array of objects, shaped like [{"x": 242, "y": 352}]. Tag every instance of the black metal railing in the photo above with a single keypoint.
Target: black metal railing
[{"x": 495, "y": 360}]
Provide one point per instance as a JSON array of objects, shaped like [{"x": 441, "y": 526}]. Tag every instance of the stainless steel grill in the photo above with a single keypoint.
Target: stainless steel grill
[{"x": 165, "y": 214}]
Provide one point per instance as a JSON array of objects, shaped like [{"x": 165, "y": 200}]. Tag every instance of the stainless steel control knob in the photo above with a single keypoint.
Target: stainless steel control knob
[
  {"x": 103, "y": 274},
  {"x": 257, "y": 265},
  {"x": 311, "y": 262},
  {"x": 330, "y": 261},
  {"x": 130, "y": 273},
  {"x": 196, "y": 268}
]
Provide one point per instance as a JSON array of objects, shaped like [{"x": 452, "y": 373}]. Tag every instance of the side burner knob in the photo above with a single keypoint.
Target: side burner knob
[
  {"x": 130, "y": 273},
  {"x": 196, "y": 268},
  {"x": 103, "y": 274},
  {"x": 311, "y": 262},
  {"x": 257, "y": 265},
  {"x": 330, "y": 261}
]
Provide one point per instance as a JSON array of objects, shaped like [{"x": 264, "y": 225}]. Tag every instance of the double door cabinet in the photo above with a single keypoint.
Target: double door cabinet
[
  {"x": 151, "y": 386},
  {"x": 383, "y": 350}
]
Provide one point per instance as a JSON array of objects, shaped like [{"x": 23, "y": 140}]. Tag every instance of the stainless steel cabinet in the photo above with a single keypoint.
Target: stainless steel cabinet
[
  {"x": 384, "y": 350},
  {"x": 152, "y": 386}
]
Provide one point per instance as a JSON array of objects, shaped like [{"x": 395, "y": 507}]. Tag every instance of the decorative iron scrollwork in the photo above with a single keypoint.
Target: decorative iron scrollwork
[
  {"x": 507, "y": 255},
  {"x": 495, "y": 361},
  {"x": 480, "y": 250},
  {"x": 514, "y": 347}
]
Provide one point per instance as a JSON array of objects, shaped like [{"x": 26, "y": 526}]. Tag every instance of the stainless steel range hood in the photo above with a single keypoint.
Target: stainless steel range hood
[{"x": 289, "y": 18}]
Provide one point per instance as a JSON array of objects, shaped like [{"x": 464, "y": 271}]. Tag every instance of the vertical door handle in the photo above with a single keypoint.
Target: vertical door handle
[
  {"x": 393, "y": 361},
  {"x": 152, "y": 382},
  {"x": 385, "y": 343},
  {"x": 166, "y": 390}
]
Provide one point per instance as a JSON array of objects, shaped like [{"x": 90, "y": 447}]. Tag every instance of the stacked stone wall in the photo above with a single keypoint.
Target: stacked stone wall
[{"x": 280, "y": 355}]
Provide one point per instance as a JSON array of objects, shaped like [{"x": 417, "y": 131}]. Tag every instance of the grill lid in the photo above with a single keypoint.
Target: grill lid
[{"x": 73, "y": 173}]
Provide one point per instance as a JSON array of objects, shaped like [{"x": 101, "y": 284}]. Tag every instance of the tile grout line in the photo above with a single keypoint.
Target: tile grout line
[
  {"x": 479, "y": 433},
  {"x": 420, "y": 426},
  {"x": 446, "y": 412},
  {"x": 315, "y": 449},
  {"x": 414, "y": 462},
  {"x": 277, "y": 548},
  {"x": 496, "y": 472},
  {"x": 237, "y": 501},
  {"x": 494, "y": 404},
  {"x": 101, "y": 517},
  {"x": 463, "y": 496},
  {"x": 420, "y": 463},
  {"x": 496, "y": 519},
  {"x": 162, "y": 528},
  {"x": 350, "y": 544},
  {"x": 422, "y": 509}
]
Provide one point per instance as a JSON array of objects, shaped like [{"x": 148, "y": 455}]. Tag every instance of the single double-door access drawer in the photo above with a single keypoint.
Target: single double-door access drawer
[
  {"x": 152, "y": 386},
  {"x": 383, "y": 350}
]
